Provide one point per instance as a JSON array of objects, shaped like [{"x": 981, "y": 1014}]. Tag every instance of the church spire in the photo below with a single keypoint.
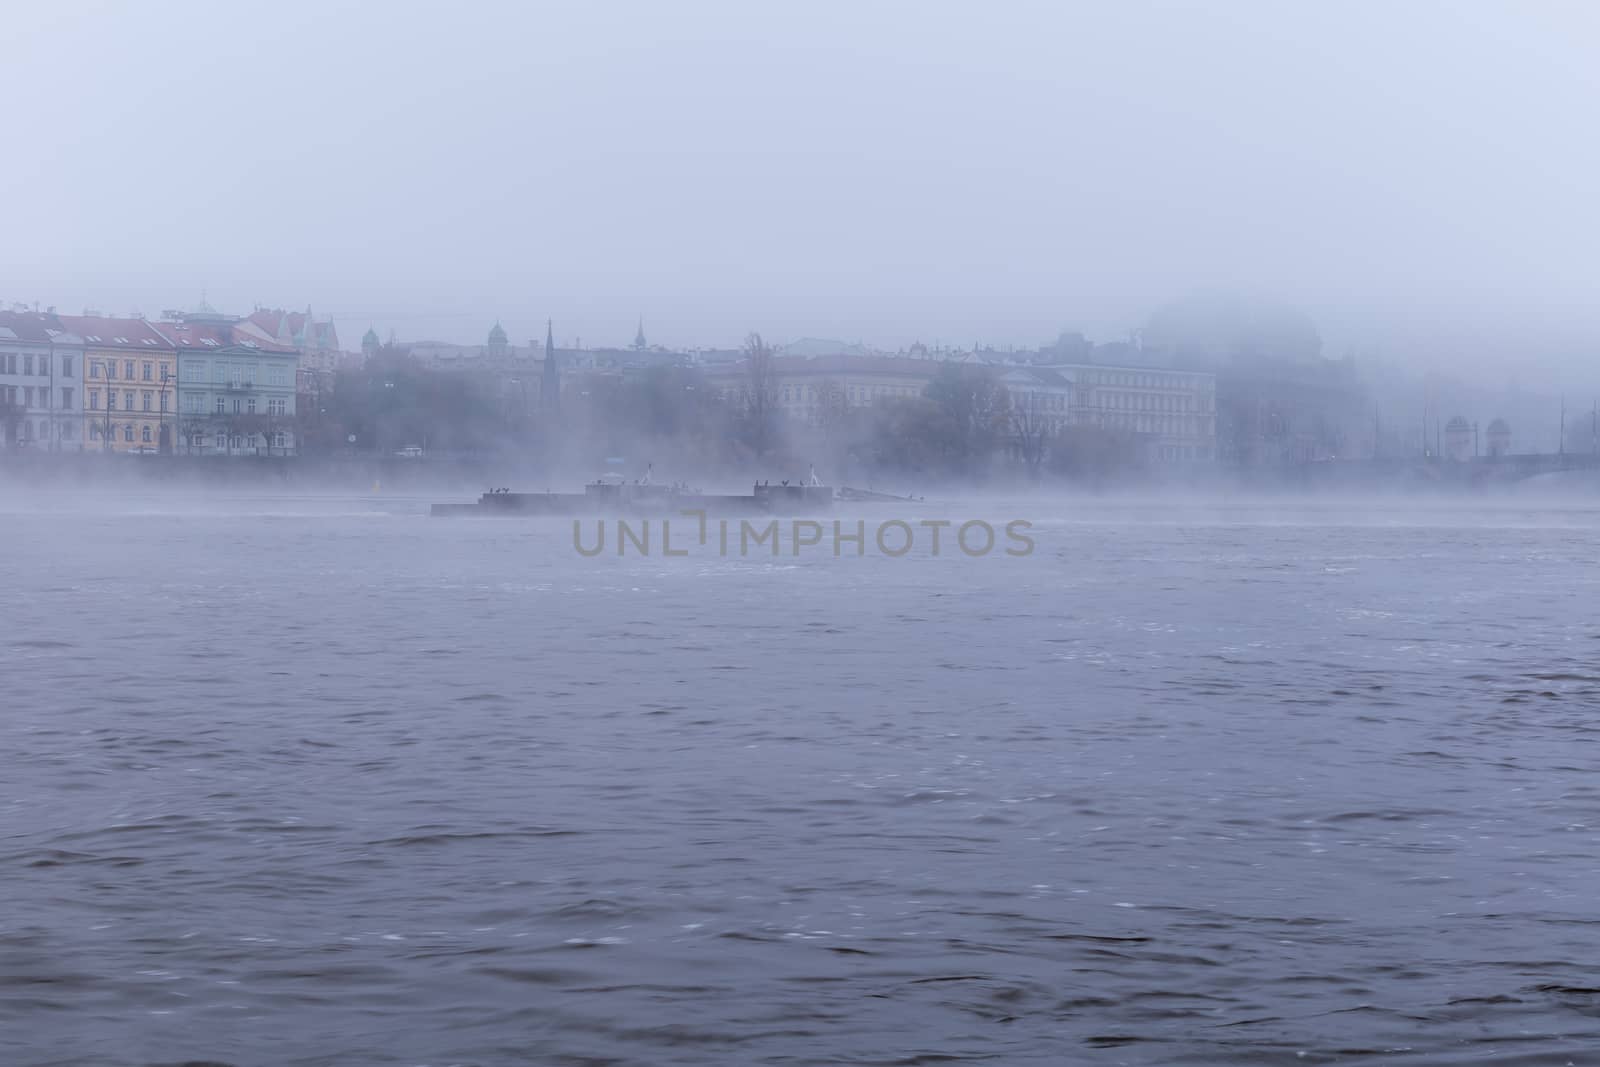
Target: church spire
[
  {"x": 550, "y": 380},
  {"x": 638, "y": 338}
]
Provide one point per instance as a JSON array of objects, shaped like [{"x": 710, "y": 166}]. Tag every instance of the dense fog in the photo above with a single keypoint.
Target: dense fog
[
  {"x": 721, "y": 534},
  {"x": 1414, "y": 178}
]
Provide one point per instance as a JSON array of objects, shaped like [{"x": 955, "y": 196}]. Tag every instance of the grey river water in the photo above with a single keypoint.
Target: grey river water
[{"x": 311, "y": 781}]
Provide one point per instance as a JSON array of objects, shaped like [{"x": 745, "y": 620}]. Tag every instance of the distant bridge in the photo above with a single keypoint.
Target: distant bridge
[
  {"x": 1518, "y": 467},
  {"x": 1476, "y": 470}
]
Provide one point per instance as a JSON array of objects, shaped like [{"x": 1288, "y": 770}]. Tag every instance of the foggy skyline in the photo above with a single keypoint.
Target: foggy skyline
[{"x": 1416, "y": 178}]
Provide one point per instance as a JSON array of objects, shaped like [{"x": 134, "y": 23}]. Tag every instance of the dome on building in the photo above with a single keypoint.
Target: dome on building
[
  {"x": 1499, "y": 426},
  {"x": 497, "y": 336},
  {"x": 1458, "y": 424}
]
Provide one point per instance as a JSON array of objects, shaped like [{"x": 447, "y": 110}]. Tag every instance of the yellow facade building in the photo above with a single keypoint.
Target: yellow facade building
[{"x": 129, "y": 384}]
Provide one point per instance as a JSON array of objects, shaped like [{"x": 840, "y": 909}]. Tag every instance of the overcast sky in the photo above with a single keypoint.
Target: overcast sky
[{"x": 1420, "y": 177}]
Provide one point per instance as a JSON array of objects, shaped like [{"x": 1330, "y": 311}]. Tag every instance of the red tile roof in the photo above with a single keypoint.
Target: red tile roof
[
  {"x": 278, "y": 323},
  {"x": 190, "y": 336},
  {"x": 25, "y": 326},
  {"x": 130, "y": 334},
  {"x": 287, "y": 325}
]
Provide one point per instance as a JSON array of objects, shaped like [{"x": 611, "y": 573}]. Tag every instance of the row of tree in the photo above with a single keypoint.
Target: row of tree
[{"x": 964, "y": 426}]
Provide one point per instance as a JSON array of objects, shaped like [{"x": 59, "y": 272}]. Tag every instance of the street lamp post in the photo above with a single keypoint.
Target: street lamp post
[
  {"x": 522, "y": 413},
  {"x": 105, "y": 438},
  {"x": 52, "y": 445},
  {"x": 167, "y": 378}
]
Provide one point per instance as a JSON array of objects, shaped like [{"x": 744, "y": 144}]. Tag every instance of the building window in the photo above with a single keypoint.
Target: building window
[
  {"x": 127, "y": 400},
  {"x": 221, "y": 406},
  {"x": 27, "y": 364},
  {"x": 149, "y": 372},
  {"x": 250, "y": 406},
  {"x": 144, "y": 433},
  {"x": 66, "y": 399},
  {"x": 66, "y": 366},
  {"x": 127, "y": 432},
  {"x": 163, "y": 403},
  {"x": 94, "y": 369},
  {"x": 111, "y": 400},
  {"x": 149, "y": 400},
  {"x": 127, "y": 369}
]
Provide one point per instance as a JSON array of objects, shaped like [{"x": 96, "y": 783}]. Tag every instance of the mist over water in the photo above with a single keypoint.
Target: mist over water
[
  {"x": 314, "y": 779},
  {"x": 1275, "y": 746}
]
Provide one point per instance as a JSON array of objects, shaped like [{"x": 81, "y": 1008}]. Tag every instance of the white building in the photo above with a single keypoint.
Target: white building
[
  {"x": 812, "y": 391},
  {"x": 1040, "y": 398},
  {"x": 1173, "y": 411},
  {"x": 236, "y": 394},
  {"x": 41, "y": 389}
]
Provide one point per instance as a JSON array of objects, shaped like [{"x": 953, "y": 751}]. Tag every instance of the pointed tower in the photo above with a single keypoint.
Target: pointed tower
[
  {"x": 370, "y": 343},
  {"x": 638, "y": 338},
  {"x": 550, "y": 382}
]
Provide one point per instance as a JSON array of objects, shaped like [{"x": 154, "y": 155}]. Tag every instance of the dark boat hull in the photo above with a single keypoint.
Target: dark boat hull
[{"x": 645, "y": 500}]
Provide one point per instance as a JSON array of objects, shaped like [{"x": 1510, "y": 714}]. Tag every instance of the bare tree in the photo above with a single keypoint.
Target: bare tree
[
  {"x": 976, "y": 409},
  {"x": 1031, "y": 430},
  {"x": 831, "y": 407},
  {"x": 11, "y": 412},
  {"x": 188, "y": 430},
  {"x": 834, "y": 421},
  {"x": 761, "y": 406},
  {"x": 267, "y": 425}
]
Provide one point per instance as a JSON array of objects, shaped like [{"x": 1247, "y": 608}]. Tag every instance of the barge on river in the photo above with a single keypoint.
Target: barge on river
[{"x": 642, "y": 499}]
